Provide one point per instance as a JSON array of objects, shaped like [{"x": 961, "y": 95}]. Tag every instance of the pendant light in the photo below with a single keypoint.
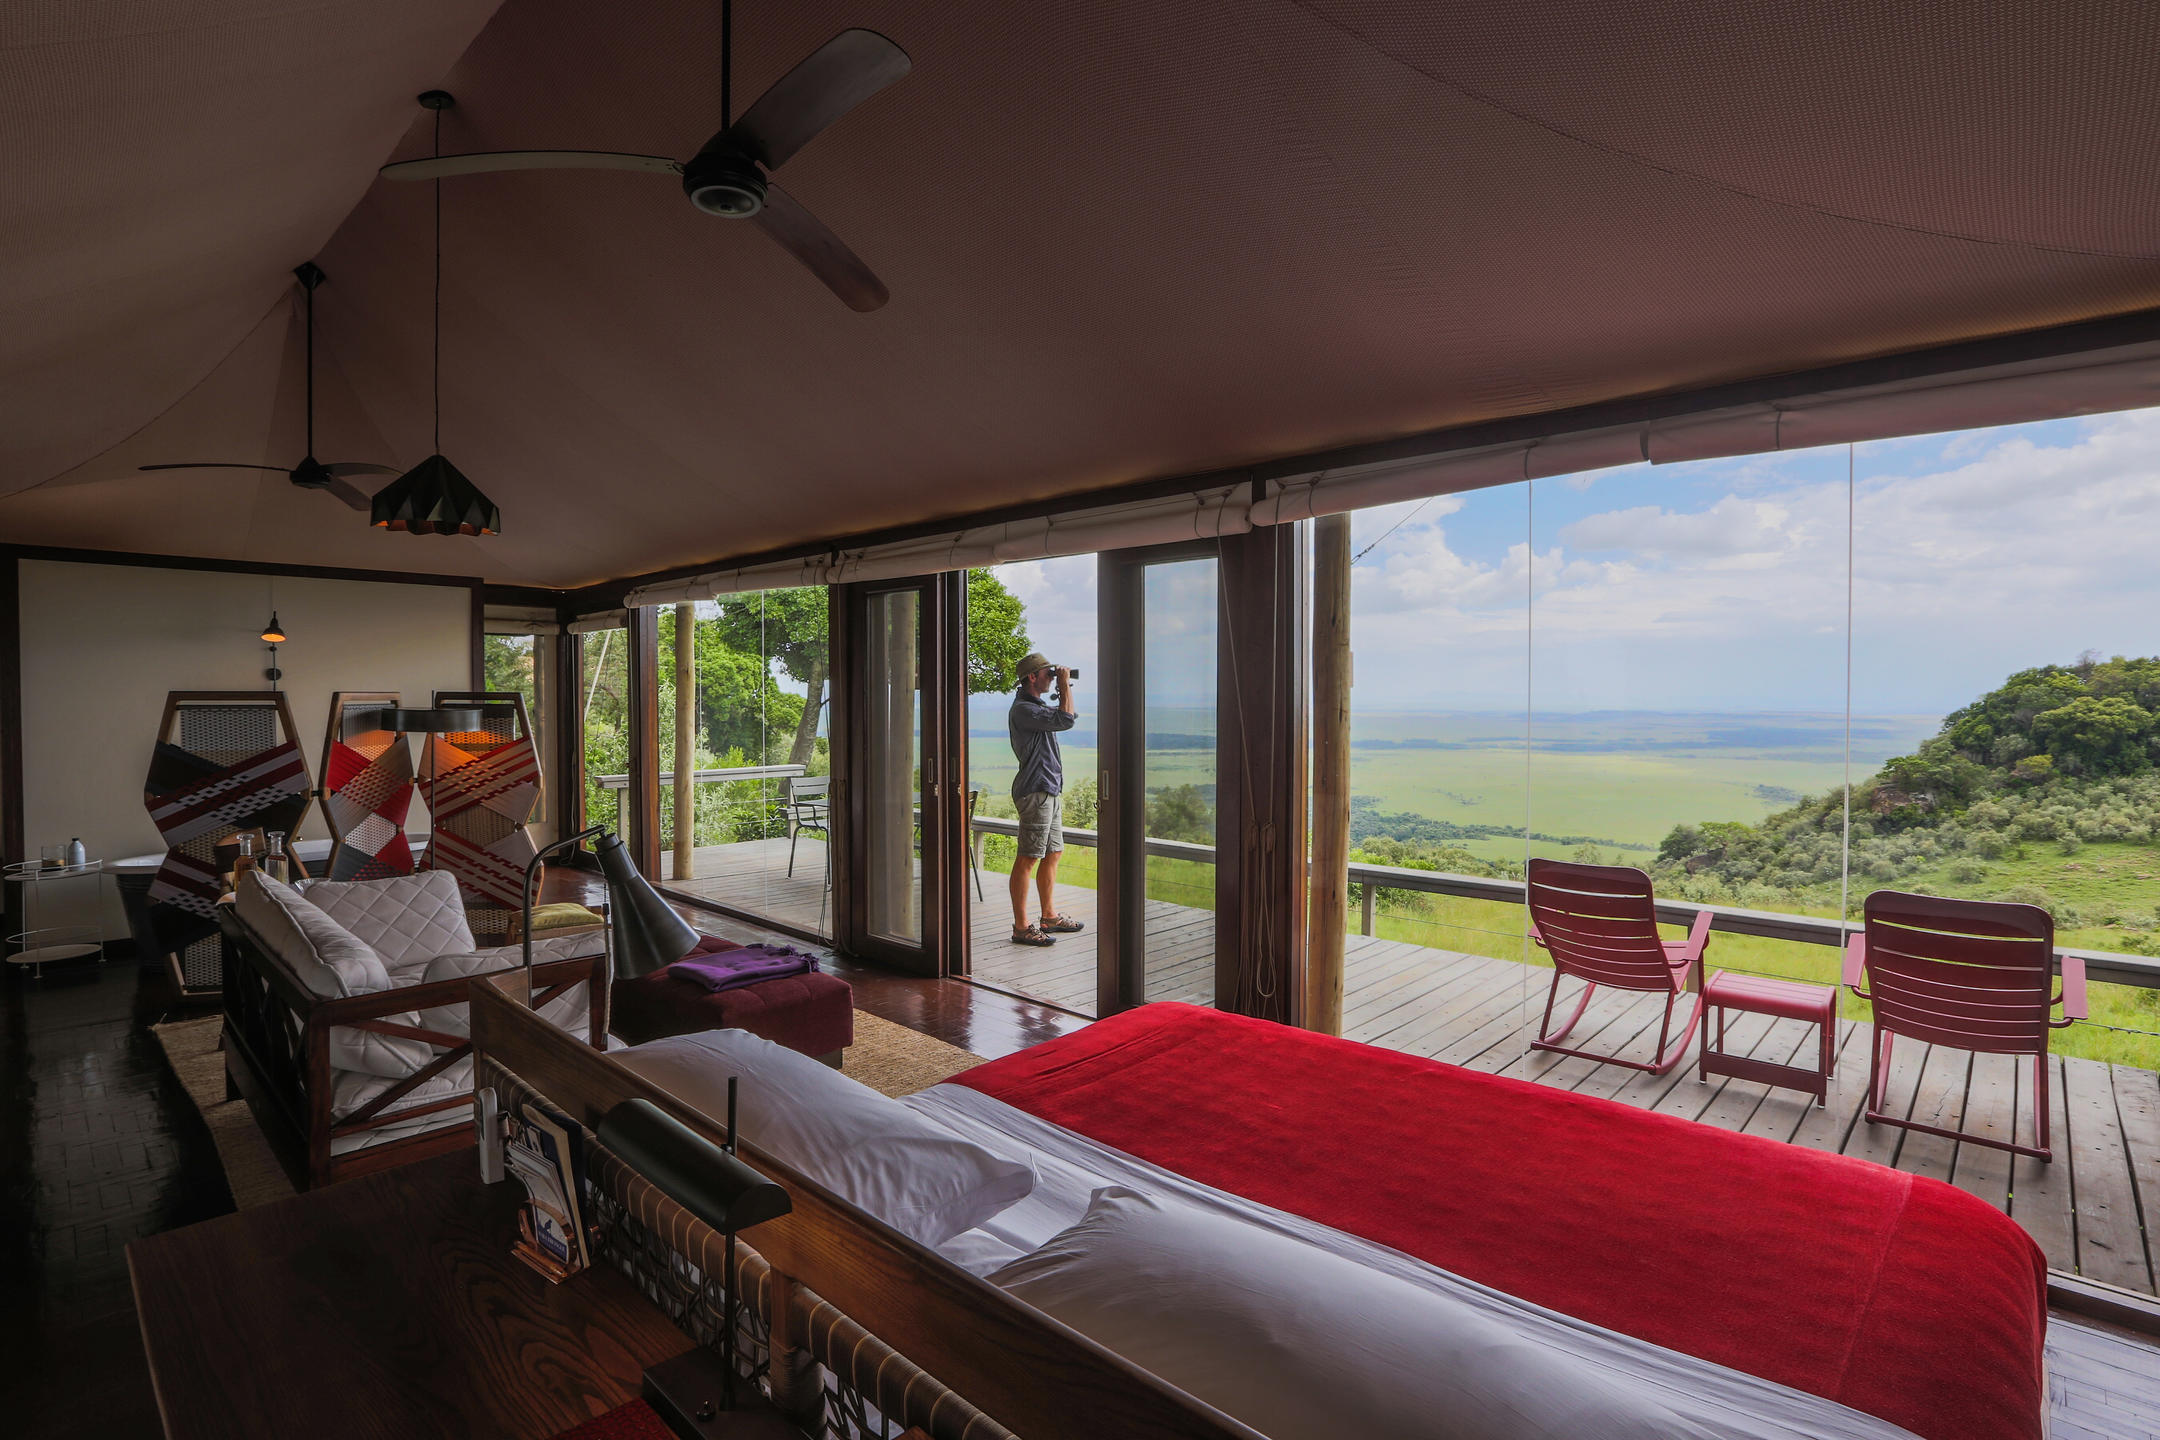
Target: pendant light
[{"x": 434, "y": 497}]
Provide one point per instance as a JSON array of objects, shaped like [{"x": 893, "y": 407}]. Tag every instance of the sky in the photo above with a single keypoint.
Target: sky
[{"x": 1722, "y": 585}]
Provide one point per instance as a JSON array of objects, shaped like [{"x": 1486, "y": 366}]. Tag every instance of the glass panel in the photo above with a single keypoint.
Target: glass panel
[
  {"x": 2004, "y": 604},
  {"x": 756, "y": 691},
  {"x": 1439, "y": 625},
  {"x": 521, "y": 663},
  {"x": 892, "y": 684},
  {"x": 1689, "y": 635},
  {"x": 603, "y": 702},
  {"x": 1045, "y": 605},
  {"x": 1178, "y": 688}
]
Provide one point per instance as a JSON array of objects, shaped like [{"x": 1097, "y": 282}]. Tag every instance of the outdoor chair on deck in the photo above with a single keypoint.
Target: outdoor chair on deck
[
  {"x": 807, "y": 808},
  {"x": 1599, "y": 924},
  {"x": 1971, "y": 974}
]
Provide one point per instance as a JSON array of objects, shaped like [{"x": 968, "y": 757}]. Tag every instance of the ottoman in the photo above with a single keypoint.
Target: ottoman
[{"x": 813, "y": 1013}]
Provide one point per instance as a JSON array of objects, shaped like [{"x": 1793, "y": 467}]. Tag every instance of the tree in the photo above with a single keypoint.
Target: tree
[
  {"x": 2101, "y": 737},
  {"x": 997, "y": 634},
  {"x": 1181, "y": 813},
  {"x": 740, "y": 705},
  {"x": 788, "y": 626}
]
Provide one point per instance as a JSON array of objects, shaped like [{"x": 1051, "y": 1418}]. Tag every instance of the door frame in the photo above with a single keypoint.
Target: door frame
[
  {"x": 941, "y": 675},
  {"x": 1121, "y": 784}
]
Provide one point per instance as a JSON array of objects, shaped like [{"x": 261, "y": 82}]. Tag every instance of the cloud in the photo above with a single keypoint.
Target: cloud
[{"x": 1731, "y": 528}]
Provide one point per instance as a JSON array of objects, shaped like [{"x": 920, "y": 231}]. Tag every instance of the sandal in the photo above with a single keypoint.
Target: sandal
[
  {"x": 1061, "y": 925},
  {"x": 1032, "y": 935}
]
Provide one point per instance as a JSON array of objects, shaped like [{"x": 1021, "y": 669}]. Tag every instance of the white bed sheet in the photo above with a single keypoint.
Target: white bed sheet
[{"x": 1069, "y": 1168}]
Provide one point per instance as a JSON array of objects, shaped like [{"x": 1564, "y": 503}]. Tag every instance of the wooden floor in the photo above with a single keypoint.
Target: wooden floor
[{"x": 2088, "y": 1209}]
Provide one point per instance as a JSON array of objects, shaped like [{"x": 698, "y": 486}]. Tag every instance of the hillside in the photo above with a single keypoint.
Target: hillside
[{"x": 2002, "y": 803}]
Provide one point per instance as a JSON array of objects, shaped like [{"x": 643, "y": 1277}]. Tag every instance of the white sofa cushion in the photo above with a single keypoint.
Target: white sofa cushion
[
  {"x": 1302, "y": 1344},
  {"x": 569, "y": 1010},
  {"x": 406, "y": 918},
  {"x": 903, "y": 1167},
  {"x": 330, "y": 960}
]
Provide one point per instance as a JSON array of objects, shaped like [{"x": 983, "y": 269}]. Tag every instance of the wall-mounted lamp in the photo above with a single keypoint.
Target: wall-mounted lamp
[{"x": 273, "y": 635}]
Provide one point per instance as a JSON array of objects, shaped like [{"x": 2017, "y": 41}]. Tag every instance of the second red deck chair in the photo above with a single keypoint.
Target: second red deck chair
[
  {"x": 1599, "y": 923},
  {"x": 1970, "y": 974}
]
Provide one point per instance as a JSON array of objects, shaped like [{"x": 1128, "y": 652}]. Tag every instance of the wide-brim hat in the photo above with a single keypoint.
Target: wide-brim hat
[{"x": 1031, "y": 662}]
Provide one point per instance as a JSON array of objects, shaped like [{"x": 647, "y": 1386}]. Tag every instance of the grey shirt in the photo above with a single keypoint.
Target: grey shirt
[{"x": 1034, "y": 725}]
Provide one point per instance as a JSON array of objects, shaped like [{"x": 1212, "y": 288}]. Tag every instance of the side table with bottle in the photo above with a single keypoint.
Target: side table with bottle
[{"x": 38, "y": 945}]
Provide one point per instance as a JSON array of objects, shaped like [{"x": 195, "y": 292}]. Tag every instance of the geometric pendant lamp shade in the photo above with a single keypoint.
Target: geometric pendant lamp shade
[{"x": 435, "y": 498}]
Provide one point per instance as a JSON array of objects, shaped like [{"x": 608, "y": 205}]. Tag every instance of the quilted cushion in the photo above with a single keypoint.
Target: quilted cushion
[
  {"x": 326, "y": 957},
  {"x": 569, "y": 1010},
  {"x": 406, "y": 918}
]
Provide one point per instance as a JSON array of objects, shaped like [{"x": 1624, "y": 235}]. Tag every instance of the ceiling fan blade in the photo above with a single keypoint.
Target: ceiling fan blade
[
  {"x": 354, "y": 467},
  {"x": 805, "y": 237},
  {"x": 350, "y": 493},
  {"x": 836, "y": 77},
  {"x": 215, "y": 465},
  {"x": 484, "y": 162}
]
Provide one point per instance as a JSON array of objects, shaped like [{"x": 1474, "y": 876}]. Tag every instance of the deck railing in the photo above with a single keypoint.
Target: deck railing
[{"x": 2100, "y": 965}]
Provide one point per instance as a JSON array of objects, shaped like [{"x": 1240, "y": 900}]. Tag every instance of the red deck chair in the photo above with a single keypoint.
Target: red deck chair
[
  {"x": 1599, "y": 923},
  {"x": 1970, "y": 974}
]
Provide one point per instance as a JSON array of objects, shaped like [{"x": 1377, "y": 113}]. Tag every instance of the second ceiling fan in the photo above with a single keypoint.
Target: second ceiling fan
[{"x": 728, "y": 176}]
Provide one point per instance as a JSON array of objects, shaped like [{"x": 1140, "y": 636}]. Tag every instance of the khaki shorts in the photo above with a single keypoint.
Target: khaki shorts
[{"x": 1042, "y": 824}]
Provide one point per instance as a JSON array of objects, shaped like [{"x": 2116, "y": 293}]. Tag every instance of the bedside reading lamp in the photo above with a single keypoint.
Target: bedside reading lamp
[
  {"x": 711, "y": 1183},
  {"x": 644, "y": 933}
]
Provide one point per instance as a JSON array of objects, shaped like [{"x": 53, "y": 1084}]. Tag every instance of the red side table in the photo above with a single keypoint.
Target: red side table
[{"x": 1786, "y": 999}]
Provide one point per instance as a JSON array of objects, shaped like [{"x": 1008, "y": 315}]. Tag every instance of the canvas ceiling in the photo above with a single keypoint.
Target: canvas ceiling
[{"x": 1124, "y": 239}]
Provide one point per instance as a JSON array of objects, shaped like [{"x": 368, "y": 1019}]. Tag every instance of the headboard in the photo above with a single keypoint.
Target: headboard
[{"x": 998, "y": 1365}]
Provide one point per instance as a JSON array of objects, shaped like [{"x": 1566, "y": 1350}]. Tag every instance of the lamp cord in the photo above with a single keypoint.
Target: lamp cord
[{"x": 437, "y": 383}]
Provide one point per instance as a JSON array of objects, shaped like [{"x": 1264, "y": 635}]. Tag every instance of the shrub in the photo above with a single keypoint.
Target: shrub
[
  {"x": 2070, "y": 844},
  {"x": 1967, "y": 872}
]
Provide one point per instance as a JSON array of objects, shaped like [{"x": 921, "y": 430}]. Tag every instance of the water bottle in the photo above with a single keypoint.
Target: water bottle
[
  {"x": 77, "y": 855},
  {"x": 275, "y": 864}
]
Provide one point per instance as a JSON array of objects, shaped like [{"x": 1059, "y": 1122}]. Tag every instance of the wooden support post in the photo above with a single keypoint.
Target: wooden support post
[
  {"x": 1369, "y": 909},
  {"x": 685, "y": 728},
  {"x": 1329, "y": 885}
]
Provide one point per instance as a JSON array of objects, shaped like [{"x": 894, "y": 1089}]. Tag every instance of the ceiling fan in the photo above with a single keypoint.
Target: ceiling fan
[
  {"x": 728, "y": 177},
  {"x": 310, "y": 473}
]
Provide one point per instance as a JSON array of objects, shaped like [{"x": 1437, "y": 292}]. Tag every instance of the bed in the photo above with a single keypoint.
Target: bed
[
  {"x": 1673, "y": 1279},
  {"x": 1893, "y": 1295}
]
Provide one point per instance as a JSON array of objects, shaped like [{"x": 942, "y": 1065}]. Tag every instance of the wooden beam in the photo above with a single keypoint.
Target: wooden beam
[
  {"x": 643, "y": 716},
  {"x": 685, "y": 759},
  {"x": 1327, "y": 896}
]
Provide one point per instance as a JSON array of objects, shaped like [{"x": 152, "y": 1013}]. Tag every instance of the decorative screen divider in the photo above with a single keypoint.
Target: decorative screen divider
[
  {"x": 838, "y": 1381},
  {"x": 224, "y": 761},
  {"x": 482, "y": 787},
  {"x": 367, "y": 788}
]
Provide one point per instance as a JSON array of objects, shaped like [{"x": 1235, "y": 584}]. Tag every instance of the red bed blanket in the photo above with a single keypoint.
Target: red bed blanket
[{"x": 1896, "y": 1295}]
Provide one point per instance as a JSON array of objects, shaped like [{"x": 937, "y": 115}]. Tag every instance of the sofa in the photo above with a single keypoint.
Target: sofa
[{"x": 346, "y": 1028}]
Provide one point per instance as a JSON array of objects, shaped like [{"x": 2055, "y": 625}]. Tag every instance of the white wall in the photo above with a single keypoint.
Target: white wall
[{"x": 102, "y": 644}]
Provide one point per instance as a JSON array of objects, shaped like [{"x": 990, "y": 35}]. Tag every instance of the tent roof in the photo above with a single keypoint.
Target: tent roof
[{"x": 1123, "y": 240}]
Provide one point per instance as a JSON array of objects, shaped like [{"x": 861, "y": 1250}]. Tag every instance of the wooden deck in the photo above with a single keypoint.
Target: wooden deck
[{"x": 2089, "y": 1210}]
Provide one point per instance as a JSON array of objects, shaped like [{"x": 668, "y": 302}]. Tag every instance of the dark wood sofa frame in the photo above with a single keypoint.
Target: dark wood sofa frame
[{"x": 277, "y": 1057}]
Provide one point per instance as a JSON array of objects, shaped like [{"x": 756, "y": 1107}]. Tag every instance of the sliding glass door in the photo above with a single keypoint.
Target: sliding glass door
[
  {"x": 903, "y": 790},
  {"x": 1160, "y": 612}
]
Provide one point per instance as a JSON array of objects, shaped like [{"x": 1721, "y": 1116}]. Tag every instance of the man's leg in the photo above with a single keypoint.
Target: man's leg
[
  {"x": 1018, "y": 885},
  {"x": 1046, "y": 883}
]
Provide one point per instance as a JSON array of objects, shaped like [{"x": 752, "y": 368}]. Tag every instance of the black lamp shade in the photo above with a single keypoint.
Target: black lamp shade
[
  {"x": 435, "y": 498},
  {"x": 452, "y": 720},
  {"x": 273, "y": 633},
  {"x": 648, "y": 935},
  {"x": 698, "y": 1175}
]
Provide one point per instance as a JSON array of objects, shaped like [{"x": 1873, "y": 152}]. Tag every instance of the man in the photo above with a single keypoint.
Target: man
[{"x": 1038, "y": 790}]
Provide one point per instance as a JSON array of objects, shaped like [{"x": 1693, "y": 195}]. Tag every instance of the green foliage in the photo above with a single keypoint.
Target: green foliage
[
  {"x": 997, "y": 634},
  {"x": 1181, "y": 812},
  {"x": 508, "y": 665}
]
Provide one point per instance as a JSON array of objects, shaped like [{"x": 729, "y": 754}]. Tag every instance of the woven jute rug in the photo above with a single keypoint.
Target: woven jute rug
[
  {"x": 251, "y": 1169},
  {"x": 889, "y": 1058}
]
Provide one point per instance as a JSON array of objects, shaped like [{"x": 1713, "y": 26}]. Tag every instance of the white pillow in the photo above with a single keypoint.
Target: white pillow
[
  {"x": 1302, "y": 1344},
  {"x": 326, "y": 957},
  {"x": 331, "y": 962},
  {"x": 409, "y": 919},
  {"x": 905, "y": 1168}
]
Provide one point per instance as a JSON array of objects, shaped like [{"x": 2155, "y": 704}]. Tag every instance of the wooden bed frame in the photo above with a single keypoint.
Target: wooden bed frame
[{"x": 1022, "y": 1369}]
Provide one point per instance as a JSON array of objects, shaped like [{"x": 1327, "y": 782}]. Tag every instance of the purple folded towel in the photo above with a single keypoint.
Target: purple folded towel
[{"x": 731, "y": 969}]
